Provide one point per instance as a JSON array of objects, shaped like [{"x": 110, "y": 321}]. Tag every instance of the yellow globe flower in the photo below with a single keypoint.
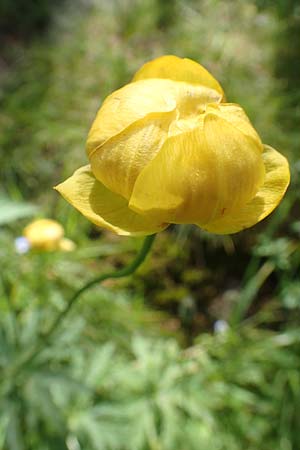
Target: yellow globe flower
[
  {"x": 47, "y": 234},
  {"x": 166, "y": 148}
]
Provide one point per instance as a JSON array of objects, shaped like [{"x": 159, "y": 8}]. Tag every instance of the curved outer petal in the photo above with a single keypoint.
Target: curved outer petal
[
  {"x": 103, "y": 207},
  {"x": 178, "y": 69},
  {"x": 265, "y": 201},
  {"x": 200, "y": 174}
]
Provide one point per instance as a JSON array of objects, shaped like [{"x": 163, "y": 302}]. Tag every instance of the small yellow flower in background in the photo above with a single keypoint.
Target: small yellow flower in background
[
  {"x": 66, "y": 245},
  {"x": 167, "y": 148},
  {"x": 44, "y": 234}
]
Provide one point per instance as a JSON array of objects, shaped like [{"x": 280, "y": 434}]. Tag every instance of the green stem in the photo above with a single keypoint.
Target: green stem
[{"x": 125, "y": 271}]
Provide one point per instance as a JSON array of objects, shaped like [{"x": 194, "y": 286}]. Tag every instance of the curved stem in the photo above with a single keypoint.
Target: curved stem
[
  {"x": 125, "y": 271},
  {"x": 128, "y": 270}
]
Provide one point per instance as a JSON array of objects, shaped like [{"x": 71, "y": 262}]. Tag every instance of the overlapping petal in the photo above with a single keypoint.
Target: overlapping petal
[
  {"x": 133, "y": 123},
  {"x": 135, "y": 100},
  {"x": 127, "y": 105},
  {"x": 119, "y": 161},
  {"x": 236, "y": 116},
  {"x": 178, "y": 69},
  {"x": 199, "y": 174},
  {"x": 276, "y": 182},
  {"x": 103, "y": 207}
]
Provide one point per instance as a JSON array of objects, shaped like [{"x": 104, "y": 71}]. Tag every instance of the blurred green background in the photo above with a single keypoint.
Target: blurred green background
[{"x": 200, "y": 349}]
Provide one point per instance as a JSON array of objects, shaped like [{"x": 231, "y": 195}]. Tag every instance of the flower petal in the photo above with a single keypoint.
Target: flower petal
[
  {"x": 199, "y": 174},
  {"x": 103, "y": 207},
  {"x": 237, "y": 117},
  {"x": 265, "y": 201},
  {"x": 178, "y": 69},
  {"x": 118, "y": 162},
  {"x": 127, "y": 105},
  {"x": 238, "y": 157}
]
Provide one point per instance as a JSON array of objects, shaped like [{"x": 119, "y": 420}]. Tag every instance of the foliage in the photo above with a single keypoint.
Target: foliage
[{"x": 139, "y": 391}]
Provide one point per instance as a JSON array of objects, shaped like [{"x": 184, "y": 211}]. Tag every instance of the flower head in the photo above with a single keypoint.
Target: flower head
[
  {"x": 166, "y": 148},
  {"x": 43, "y": 234}
]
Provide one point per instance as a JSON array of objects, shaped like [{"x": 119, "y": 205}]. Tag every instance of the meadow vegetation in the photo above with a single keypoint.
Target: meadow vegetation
[{"x": 138, "y": 364}]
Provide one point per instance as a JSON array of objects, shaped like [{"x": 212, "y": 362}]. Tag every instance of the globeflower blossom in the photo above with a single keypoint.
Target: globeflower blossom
[
  {"x": 167, "y": 148},
  {"x": 43, "y": 235}
]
